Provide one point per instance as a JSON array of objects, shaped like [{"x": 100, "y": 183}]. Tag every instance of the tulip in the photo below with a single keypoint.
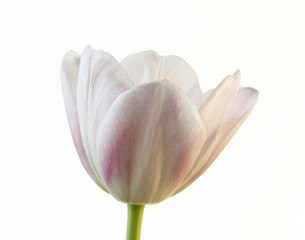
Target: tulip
[{"x": 143, "y": 129}]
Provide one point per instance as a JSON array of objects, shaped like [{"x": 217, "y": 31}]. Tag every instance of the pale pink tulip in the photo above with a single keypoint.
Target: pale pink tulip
[{"x": 142, "y": 128}]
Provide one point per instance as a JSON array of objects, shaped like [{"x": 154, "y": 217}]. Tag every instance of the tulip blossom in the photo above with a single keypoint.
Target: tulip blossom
[{"x": 142, "y": 127}]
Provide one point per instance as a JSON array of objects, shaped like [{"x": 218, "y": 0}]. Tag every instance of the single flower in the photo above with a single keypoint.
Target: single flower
[{"x": 142, "y": 128}]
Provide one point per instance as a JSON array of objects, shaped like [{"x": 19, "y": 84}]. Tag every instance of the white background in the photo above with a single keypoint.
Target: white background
[{"x": 256, "y": 187}]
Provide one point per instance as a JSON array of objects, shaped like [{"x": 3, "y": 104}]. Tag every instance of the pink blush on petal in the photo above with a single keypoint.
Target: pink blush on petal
[
  {"x": 81, "y": 153},
  {"x": 111, "y": 153}
]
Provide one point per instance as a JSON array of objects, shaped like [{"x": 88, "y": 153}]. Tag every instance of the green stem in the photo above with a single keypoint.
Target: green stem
[{"x": 134, "y": 221}]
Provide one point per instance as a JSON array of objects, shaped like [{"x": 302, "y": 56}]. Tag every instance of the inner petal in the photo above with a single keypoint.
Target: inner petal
[{"x": 149, "y": 66}]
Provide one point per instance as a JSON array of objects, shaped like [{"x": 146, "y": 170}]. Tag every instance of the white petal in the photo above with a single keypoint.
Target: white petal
[
  {"x": 150, "y": 139},
  {"x": 241, "y": 108},
  {"x": 218, "y": 103},
  {"x": 142, "y": 67},
  {"x": 101, "y": 79},
  {"x": 239, "y": 111},
  {"x": 237, "y": 75},
  {"x": 69, "y": 72},
  {"x": 213, "y": 113},
  {"x": 148, "y": 66},
  {"x": 207, "y": 94},
  {"x": 69, "y": 75}
]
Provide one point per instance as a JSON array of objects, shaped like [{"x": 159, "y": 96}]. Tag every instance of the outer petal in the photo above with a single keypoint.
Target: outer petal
[
  {"x": 149, "y": 141},
  {"x": 69, "y": 75},
  {"x": 213, "y": 113},
  {"x": 101, "y": 79},
  {"x": 148, "y": 66},
  {"x": 241, "y": 108},
  {"x": 218, "y": 103},
  {"x": 207, "y": 94},
  {"x": 239, "y": 111}
]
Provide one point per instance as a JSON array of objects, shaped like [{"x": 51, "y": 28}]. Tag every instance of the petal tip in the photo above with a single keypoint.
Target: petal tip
[
  {"x": 88, "y": 47},
  {"x": 69, "y": 56},
  {"x": 251, "y": 93},
  {"x": 87, "y": 50},
  {"x": 237, "y": 75},
  {"x": 254, "y": 93}
]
